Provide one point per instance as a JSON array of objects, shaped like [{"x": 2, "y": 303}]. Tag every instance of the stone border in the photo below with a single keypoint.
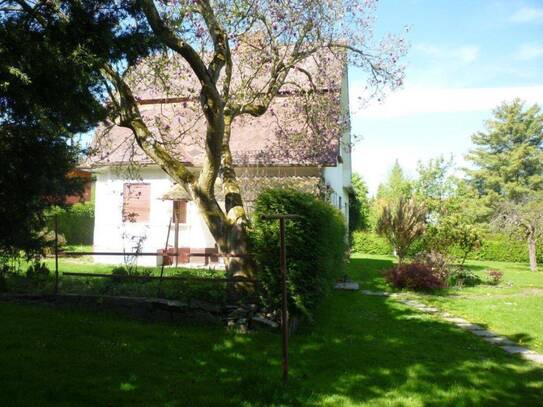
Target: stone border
[{"x": 485, "y": 334}]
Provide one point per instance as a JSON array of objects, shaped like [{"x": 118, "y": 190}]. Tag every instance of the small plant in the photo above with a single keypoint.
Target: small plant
[
  {"x": 415, "y": 276},
  {"x": 495, "y": 276},
  {"x": 463, "y": 277},
  {"x": 37, "y": 271}
]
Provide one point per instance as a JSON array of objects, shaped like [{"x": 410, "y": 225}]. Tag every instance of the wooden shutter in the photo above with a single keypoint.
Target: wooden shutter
[
  {"x": 180, "y": 211},
  {"x": 136, "y": 204}
]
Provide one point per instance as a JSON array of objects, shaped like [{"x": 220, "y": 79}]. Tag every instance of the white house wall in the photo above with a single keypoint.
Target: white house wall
[
  {"x": 111, "y": 234},
  {"x": 339, "y": 177}
]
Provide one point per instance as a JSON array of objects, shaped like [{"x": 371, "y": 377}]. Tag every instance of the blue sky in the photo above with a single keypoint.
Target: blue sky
[{"x": 466, "y": 57}]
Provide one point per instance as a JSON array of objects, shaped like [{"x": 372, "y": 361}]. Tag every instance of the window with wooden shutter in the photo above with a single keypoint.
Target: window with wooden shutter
[
  {"x": 136, "y": 204},
  {"x": 180, "y": 211}
]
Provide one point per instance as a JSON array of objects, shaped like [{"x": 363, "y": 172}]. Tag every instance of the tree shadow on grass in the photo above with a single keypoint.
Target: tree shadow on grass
[{"x": 360, "y": 350}]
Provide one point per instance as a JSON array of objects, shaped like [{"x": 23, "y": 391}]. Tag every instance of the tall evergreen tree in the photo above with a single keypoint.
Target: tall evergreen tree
[
  {"x": 396, "y": 186},
  {"x": 508, "y": 156}
]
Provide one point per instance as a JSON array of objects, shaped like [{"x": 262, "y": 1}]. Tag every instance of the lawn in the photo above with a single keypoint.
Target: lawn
[
  {"x": 513, "y": 308},
  {"x": 178, "y": 290},
  {"x": 359, "y": 351}
]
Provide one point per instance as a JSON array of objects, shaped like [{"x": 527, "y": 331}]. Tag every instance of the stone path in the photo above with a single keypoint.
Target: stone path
[{"x": 485, "y": 334}]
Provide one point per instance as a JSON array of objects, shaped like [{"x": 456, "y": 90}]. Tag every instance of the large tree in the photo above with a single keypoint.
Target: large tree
[
  {"x": 523, "y": 217},
  {"x": 47, "y": 96},
  {"x": 236, "y": 57},
  {"x": 508, "y": 156}
]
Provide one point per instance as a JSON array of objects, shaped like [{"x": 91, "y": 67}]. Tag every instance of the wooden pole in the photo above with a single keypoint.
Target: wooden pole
[
  {"x": 56, "y": 254},
  {"x": 176, "y": 237},
  {"x": 284, "y": 297},
  {"x": 164, "y": 255},
  {"x": 284, "y": 289}
]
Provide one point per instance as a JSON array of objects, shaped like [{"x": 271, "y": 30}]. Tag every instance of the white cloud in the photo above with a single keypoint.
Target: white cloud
[
  {"x": 416, "y": 100},
  {"x": 465, "y": 54},
  {"x": 527, "y": 15},
  {"x": 530, "y": 51},
  {"x": 468, "y": 54}
]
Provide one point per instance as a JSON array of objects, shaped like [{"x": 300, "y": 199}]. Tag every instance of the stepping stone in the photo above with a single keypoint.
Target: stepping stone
[
  {"x": 516, "y": 350},
  {"x": 349, "y": 286},
  {"x": 456, "y": 320},
  {"x": 375, "y": 293},
  {"x": 484, "y": 333},
  {"x": 534, "y": 357},
  {"x": 499, "y": 340},
  {"x": 429, "y": 310},
  {"x": 469, "y": 326}
]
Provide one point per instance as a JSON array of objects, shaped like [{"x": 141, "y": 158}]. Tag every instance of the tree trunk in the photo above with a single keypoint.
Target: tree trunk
[{"x": 532, "y": 254}]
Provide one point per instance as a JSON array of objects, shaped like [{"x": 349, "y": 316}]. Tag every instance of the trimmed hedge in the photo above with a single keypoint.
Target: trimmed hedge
[
  {"x": 370, "y": 243},
  {"x": 494, "y": 248},
  {"x": 76, "y": 223},
  {"x": 316, "y": 248},
  {"x": 504, "y": 248}
]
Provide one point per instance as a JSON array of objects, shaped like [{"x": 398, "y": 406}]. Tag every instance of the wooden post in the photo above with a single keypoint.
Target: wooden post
[
  {"x": 56, "y": 254},
  {"x": 284, "y": 297},
  {"x": 284, "y": 287},
  {"x": 164, "y": 255},
  {"x": 176, "y": 237}
]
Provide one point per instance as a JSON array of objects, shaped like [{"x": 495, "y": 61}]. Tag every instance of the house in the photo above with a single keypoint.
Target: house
[{"x": 138, "y": 207}]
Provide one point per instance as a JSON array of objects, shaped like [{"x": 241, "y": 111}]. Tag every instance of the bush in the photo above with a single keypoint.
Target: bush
[
  {"x": 316, "y": 248},
  {"x": 463, "y": 277},
  {"x": 38, "y": 272},
  {"x": 76, "y": 223},
  {"x": 415, "y": 276},
  {"x": 495, "y": 276},
  {"x": 370, "y": 243}
]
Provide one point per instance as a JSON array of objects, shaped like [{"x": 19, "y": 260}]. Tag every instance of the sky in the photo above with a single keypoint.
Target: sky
[{"x": 465, "y": 58}]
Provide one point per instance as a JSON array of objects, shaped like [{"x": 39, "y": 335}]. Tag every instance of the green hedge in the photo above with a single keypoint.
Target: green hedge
[
  {"x": 495, "y": 248},
  {"x": 76, "y": 223},
  {"x": 503, "y": 248},
  {"x": 370, "y": 243},
  {"x": 316, "y": 248}
]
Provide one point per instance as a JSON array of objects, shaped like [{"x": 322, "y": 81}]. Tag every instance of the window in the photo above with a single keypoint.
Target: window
[
  {"x": 340, "y": 204},
  {"x": 136, "y": 202},
  {"x": 180, "y": 211}
]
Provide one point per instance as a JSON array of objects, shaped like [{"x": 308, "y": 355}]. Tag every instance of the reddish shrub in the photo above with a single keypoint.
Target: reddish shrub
[
  {"x": 415, "y": 276},
  {"x": 494, "y": 275}
]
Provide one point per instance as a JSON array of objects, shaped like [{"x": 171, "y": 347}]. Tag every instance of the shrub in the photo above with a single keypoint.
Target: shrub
[
  {"x": 415, "y": 276},
  {"x": 495, "y": 276},
  {"x": 76, "y": 223},
  {"x": 316, "y": 248},
  {"x": 370, "y": 243},
  {"x": 38, "y": 272},
  {"x": 463, "y": 277}
]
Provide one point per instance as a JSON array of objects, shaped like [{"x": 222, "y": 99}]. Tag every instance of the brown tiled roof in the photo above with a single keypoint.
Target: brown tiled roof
[{"x": 281, "y": 136}]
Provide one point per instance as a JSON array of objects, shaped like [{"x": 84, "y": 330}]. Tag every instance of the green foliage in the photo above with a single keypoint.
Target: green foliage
[
  {"x": 51, "y": 89},
  {"x": 370, "y": 243},
  {"x": 463, "y": 277},
  {"x": 509, "y": 156},
  {"x": 500, "y": 247},
  {"x": 33, "y": 172},
  {"x": 75, "y": 222},
  {"x": 359, "y": 205},
  {"x": 396, "y": 186},
  {"x": 402, "y": 223},
  {"x": 315, "y": 244}
]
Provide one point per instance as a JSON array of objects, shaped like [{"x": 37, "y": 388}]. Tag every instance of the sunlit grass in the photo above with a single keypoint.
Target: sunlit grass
[{"x": 360, "y": 350}]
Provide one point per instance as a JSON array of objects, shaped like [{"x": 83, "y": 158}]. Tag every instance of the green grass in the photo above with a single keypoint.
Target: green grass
[
  {"x": 513, "y": 308},
  {"x": 178, "y": 290},
  {"x": 359, "y": 351}
]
